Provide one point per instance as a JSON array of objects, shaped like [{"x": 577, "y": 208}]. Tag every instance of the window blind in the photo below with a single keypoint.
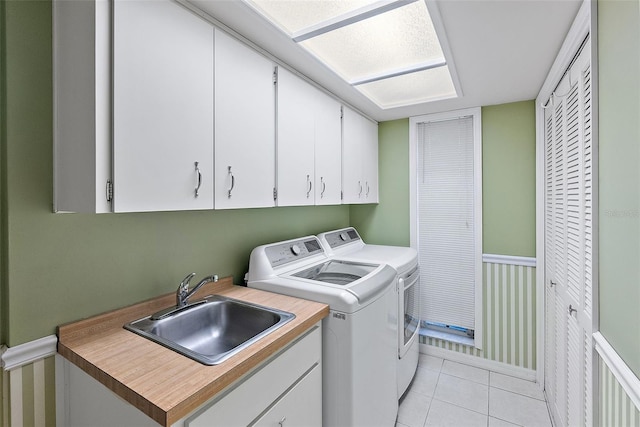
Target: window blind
[{"x": 446, "y": 223}]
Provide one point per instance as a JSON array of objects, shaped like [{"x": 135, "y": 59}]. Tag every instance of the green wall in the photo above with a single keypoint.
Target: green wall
[
  {"x": 508, "y": 145},
  {"x": 509, "y": 179},
  {"x": 3, "y": 145},
  {"x": 619, "y": 182},
  {"x": 62, "y": 267},
  {"x": 388, "y": 222}
]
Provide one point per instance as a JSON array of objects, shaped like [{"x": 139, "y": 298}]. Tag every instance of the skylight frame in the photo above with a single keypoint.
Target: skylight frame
[
  {"x": 301, "y": 33},
  {"x": 348, "y": 18}
]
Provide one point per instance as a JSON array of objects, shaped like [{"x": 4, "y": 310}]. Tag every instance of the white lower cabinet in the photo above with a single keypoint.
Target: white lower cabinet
[
  {"x": 286, "y": 390},
  {"x": 291, "y": 409}
]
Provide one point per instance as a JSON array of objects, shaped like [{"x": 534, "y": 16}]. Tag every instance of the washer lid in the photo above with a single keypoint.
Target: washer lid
[
  {"x": 337, "y": 272},
  {"x": 363, "y": 280}
]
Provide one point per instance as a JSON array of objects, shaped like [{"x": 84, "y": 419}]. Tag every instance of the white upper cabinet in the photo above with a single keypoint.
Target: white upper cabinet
[
  {"x": 162, "y": 108},
  {"x": 328, "y": 151},
  {"x": 82, "y": 105},
  {"x": 308, "y": 144},
  {"x": 244, "y": 126},
  {"x": 359, "y": 159},
  {"x": 133, "y": 107},
  {"x": 155, "y": 109},
  {"x": 296, "y": 140}
]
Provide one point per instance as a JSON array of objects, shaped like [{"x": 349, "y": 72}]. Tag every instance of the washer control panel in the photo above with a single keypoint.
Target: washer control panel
[
  {"x": 282, "y": 253},
  {"x": 342, "y": 237}
]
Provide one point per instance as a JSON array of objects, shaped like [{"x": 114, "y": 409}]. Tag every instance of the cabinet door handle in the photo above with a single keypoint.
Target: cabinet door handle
[
  {"x": 198, "y": 180},
  {"x": 367, "y": 193},
  {"x": 233, "y": 181},
  {"x": 360, "y": 186},
  {"x": 552, "y": 283},
  {"x": 324, "y": 187},
  {"x": 309, "y": 186},
  {"x": 281, "y": 422},
  {"x": 572, "y": 310}
]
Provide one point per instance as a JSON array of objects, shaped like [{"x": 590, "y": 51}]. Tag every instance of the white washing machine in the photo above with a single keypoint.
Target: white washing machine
[
  {"x": 347, "y": 244},
  {"x": 359, "y": 335}
]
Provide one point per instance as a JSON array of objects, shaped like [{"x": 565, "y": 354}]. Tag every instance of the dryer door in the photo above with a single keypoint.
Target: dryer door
[{"x": 408, "y": 311}]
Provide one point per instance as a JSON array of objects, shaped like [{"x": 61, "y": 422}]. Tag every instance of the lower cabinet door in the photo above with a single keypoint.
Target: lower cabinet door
[{"x": 300, "y": 406}]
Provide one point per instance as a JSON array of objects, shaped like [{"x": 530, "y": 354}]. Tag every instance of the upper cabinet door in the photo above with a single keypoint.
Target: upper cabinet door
[
  {"x": 245, "y": 126},
  {"x": 360, "y": 159},
  {"x": 309, "y": 144},
  {"x": 328, "y": 151},
  {"x": 370, "y": 162},
  {"x": 296, "y": 139},
  {"x": 162, "y": 107}
]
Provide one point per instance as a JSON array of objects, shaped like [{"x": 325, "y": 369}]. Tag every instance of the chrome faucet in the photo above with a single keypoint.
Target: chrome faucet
[{"x": 183, "y": 293}]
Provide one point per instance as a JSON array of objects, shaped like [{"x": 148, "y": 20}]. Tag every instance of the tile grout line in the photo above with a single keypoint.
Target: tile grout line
[{"x": 424, "y": 423}]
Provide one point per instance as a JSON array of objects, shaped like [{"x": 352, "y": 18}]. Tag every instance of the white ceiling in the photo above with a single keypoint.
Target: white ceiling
[{"x": 501, "y": 49}]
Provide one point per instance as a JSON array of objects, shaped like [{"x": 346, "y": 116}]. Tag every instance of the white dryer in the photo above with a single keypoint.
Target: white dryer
[
  {"x": 359, "y": 335},
  {"x": 347, "y": 244}
]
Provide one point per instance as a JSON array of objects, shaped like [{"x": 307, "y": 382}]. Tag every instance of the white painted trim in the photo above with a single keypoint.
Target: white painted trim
[
  {"x": 509, "y": 259},
  {"x": 577, "y": 33},
  {"x": 23, "y": 354},
  {"x": 63, "y": 410},
  {"x": 438, "y": 24},
  {"x": 15, "y": 397},
  {"x": 39, "y": 408},
  {"x": 479, "y": 362},
  {"x": 581, "y": 26},
  {"x": 476, "y": 113},
  {"x": 5, "y": 397},
  {"x": 620, "y": 370}
]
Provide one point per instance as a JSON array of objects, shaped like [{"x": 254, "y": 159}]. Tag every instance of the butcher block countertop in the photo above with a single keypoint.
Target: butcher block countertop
[{"x": 160, "y": 382}]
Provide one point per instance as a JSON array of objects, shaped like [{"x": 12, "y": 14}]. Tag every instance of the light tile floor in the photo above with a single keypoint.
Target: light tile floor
[{"x": 445, "y": 393}]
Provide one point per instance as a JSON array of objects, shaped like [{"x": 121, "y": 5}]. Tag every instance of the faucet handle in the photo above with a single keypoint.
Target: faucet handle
[
  {"x": 184, "y": 284},
  {"x": 183, "y": 290}
]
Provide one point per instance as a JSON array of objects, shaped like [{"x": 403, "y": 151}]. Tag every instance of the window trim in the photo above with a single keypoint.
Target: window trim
[{"x": 476, "y": 113}]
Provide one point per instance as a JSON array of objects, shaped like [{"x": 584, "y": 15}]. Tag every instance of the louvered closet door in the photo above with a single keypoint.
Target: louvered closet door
[{"x": 568, "y": 247}]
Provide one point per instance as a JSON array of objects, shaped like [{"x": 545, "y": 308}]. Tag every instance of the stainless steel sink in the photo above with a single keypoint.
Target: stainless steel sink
[{"x": 213, "y": 329}]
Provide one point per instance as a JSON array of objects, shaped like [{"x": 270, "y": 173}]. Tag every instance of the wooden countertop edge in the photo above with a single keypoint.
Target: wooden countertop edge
[{"x": 76, "y": 333}]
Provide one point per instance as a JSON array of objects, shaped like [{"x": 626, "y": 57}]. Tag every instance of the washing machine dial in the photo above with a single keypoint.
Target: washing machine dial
[
  {"x": 344, "y": 236},
  {"x": 295, "y": 249}
]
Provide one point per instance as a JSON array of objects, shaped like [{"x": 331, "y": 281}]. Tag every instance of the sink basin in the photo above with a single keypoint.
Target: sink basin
[{"x": 213, "y": 329}]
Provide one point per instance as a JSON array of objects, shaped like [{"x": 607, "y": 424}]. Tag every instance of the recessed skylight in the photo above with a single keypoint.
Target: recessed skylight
[{"x": 387, "y": 49}]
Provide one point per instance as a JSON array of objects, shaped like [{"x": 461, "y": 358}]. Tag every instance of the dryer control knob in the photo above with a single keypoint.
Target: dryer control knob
[
  {"x": 295, "y": 249},
  {"x": 344, "y": 236}
]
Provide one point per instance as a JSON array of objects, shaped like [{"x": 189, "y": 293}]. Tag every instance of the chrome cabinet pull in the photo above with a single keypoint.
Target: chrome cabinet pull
[
  {"x": 360, "y": 186},
  {"x": 552, "y": 283},
  {"x": 572, "y": 310},
  {"x": 324, "y": 187},
  {"x": 198, "y": 180},
  {"x": 309, "y": 186},
  {"x": 233, "y": 182},
  {"x": 367, "y": 193},
  {"x": 281, "y": 422}
]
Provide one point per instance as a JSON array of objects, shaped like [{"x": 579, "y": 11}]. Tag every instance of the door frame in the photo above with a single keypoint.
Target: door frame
[
  {"x": 585, "y": 23},
  {"x": 476, "y": 113}
]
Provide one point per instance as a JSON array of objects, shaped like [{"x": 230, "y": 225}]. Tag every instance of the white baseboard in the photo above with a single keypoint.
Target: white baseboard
[
  {"x": 479, "y": 362},
  {"x": 23, "y": 354},
  {"x": 620, "y": 370}
]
